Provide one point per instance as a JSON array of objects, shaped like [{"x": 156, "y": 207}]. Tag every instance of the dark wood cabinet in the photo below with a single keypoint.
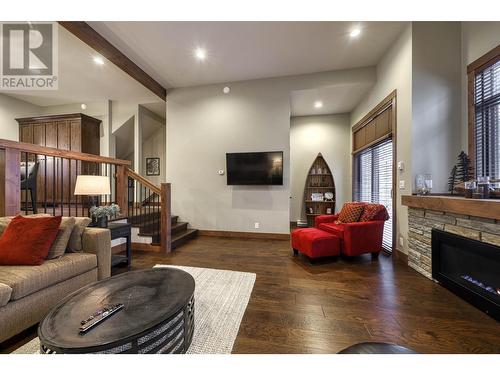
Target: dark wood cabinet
[{"x": 76, "y": 132}]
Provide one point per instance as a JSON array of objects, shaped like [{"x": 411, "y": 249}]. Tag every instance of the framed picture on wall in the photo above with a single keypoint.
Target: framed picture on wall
[{"x": 152, "y": 166}]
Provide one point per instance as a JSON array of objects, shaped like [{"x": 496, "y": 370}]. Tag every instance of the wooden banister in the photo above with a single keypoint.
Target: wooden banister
[
  {"x": 166, "y": 219},
  {"x": 55, "y": 152},
  {"x": 144, "y": 181}
]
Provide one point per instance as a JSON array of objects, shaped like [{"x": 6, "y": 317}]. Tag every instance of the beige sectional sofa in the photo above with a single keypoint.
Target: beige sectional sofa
[{"x": 27, "y": 293}]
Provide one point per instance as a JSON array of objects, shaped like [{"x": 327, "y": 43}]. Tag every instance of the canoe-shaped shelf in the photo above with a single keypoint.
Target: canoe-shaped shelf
[{"x": 319, "y": 192}]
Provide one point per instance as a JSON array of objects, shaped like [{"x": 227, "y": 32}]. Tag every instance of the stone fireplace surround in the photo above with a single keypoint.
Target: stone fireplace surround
[{"x": 471, "y": 218}]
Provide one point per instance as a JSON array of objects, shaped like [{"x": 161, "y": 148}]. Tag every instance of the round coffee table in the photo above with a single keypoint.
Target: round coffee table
[{"x": 158, "y": 315}]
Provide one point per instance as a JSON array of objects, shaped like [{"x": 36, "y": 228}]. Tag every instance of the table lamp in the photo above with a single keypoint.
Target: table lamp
[{"x": 92, "y": 186}]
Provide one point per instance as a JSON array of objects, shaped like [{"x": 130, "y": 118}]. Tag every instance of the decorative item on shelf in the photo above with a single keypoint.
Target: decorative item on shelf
[
  {"x": 301, "y": 223},
  {"x": 312, "y": 171},
  {"x": 317, "y": 197},
  {"x": 483, "y": 187},
  {"x": 428, "y": 183},
  {"x": 319, "y": 170},
  {"x": 470, "y": 188},
  {"x": 152, "y": 166},
  {"x": 462, "y": 172},
  {"x": 329, "y": 196},
  {"x": 328, "y": 210},
  {"x": 452, "y": 180},
  {"x": 101, "y": 214},
  {"x": 311, "y": 211}
]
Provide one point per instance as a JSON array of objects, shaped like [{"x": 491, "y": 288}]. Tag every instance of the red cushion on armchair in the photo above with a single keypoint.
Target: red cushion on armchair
[{"x": 27, "y": 241}]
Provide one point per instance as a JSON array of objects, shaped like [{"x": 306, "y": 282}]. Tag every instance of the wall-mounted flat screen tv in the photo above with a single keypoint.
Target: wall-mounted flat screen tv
[{"x": 255, "y": 168}]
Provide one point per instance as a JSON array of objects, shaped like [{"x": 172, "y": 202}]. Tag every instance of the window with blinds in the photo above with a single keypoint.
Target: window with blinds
[
  {"x": 372, "y": 180},
  {"x": 486, "y": 120}
]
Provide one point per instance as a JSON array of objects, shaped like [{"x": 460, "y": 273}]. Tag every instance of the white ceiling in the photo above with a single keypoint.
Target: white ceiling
[
  {"x": 246, "y": 50},
  {"x": 81, "y": 80},
  {"x": 335, "y": 99}
]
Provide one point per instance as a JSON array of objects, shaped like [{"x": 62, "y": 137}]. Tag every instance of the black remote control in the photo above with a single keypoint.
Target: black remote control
[{"x": 99, "y": 316}]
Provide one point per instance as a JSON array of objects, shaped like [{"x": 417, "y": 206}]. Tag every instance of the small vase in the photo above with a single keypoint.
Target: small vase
[{"x": 101, "y": 222}]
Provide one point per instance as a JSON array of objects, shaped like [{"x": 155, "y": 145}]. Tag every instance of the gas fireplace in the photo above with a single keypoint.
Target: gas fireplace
[{"x": 469, "y": 268}]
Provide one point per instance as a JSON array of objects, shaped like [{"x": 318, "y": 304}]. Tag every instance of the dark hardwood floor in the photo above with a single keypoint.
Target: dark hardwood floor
[{"x": 297, "y": 307}]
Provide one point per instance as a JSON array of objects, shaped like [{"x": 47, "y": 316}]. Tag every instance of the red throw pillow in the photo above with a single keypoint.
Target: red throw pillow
[
  {"x": 350, "y": 212},
  {"x": 372, "y": 211},
  {"x": 27, "y": 241}
]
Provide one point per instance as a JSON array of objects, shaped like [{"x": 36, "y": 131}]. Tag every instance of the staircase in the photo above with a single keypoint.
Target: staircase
[
  {"x": 147, "y": 221},
  {"x": 146, "y": 203}
]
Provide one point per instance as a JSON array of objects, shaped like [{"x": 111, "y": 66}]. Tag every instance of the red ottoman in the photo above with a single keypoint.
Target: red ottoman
[{"x": 315, "y": 243}]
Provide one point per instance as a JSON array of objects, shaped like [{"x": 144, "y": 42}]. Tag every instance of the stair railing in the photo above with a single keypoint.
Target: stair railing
[
  {"x": 51, "y": 187},
  {"x": 150, "y": 209}
]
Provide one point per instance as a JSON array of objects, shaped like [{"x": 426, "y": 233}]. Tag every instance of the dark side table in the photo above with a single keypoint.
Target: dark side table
[{"x": 121, "y": 230}]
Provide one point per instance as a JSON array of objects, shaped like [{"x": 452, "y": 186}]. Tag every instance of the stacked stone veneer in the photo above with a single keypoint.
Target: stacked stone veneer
[{"x": 421, "y": 222}]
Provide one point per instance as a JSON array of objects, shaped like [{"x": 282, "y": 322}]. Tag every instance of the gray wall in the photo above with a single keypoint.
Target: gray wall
[
  {"x": 203, "y": 124},
  {"x": 10, "y": 109},
  {"x": 328, "y": 134},
  {"x": 436, "y": 81}
]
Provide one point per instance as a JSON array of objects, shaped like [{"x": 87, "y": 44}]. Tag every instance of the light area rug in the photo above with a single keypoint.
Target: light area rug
[{"x": 221, "y": 298}]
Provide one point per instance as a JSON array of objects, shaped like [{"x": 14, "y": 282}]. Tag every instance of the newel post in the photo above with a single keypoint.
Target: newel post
[
  {"x": 122, "y": 189},
  {"x": 166, "y": 220},
  {"x": 10, "y": 182}
]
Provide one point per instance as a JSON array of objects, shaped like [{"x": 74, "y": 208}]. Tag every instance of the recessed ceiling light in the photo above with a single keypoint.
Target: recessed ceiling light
[
  {"x": 200, "y": 53},
  {"x": 318, "y": 104},
  {"x": 226, "y": 90},
  {"x": 83, "y": 106},
  {"x": 355, "y": 32},
  {"x": 99, "y": 60}
]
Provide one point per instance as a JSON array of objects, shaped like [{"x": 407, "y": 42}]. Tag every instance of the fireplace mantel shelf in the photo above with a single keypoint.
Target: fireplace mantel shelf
[{"x": 486, "y": 208}]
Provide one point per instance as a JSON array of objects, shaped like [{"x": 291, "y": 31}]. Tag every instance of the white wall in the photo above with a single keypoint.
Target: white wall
[
  {"x": 154, "y": 144},
  {"x": 478, "y": 38},
  {"x": 10, "y": 109},
  {"x": 436, "y": 100},
  {"x": 99, "y": 110},
  {"x": 203, "y": 124},
  {"x": 394, "y": 73},
  {"x": 330, "y": 135}
]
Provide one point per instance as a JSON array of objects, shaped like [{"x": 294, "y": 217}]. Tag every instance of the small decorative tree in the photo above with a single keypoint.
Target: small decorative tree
[
  {"x": 452, "y": 180},
  {"x": 465, "y": 171}
]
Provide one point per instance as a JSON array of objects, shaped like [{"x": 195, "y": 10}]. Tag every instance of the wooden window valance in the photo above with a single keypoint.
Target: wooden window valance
[{"x": 375, "y": 126}]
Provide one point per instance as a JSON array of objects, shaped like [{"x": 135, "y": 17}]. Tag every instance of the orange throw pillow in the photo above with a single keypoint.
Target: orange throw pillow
[
  {"x": 350, "y": 213},
  {"x": 27, "y": 241}
]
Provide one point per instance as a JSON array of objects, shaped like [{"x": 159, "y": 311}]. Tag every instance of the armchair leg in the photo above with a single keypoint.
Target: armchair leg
[
  {"x": 295, "y": 252},
  {"x": 375, "y": 256}
]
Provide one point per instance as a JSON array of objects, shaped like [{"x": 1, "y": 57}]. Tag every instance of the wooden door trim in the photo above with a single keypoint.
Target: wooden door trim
[{"x": 89, "y": 36}]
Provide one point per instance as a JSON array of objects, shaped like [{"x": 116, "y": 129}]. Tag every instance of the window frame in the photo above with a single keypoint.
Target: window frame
[
  {"x": 389, "y": 101},
  {"x": 477, "y": 66}
]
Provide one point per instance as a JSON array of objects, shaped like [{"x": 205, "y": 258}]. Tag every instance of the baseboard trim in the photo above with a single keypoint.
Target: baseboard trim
[
  {"x": 248, "y": 235},
  {"x": 138, "y": 246},
  {"x": 400, "y": 256}
]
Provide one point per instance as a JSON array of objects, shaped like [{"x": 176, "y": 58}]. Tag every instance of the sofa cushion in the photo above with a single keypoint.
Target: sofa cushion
[
  {"x": 58, "y": 248},
  {"x": 25, "y": 280},
  {"x": 75, "y": 241},
  {"x": 27, "y": 241},
  {"x": 350, "y": 212},
  {"x": 5, "y": 293},
  {"x": 333, "y": 228}
]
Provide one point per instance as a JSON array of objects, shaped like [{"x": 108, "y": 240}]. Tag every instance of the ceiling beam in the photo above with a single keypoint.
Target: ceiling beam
[{"x": 88, "y": 35}]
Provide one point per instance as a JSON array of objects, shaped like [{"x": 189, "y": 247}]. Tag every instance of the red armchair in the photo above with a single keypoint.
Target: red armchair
[{"x": 358, "y": 237}]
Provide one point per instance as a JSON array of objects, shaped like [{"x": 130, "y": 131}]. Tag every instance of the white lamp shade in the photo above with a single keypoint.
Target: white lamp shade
[{"x": 92, "y": 185}]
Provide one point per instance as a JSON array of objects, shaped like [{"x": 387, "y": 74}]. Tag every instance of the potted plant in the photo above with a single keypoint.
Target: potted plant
[{"x": 101, "y": 214}]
